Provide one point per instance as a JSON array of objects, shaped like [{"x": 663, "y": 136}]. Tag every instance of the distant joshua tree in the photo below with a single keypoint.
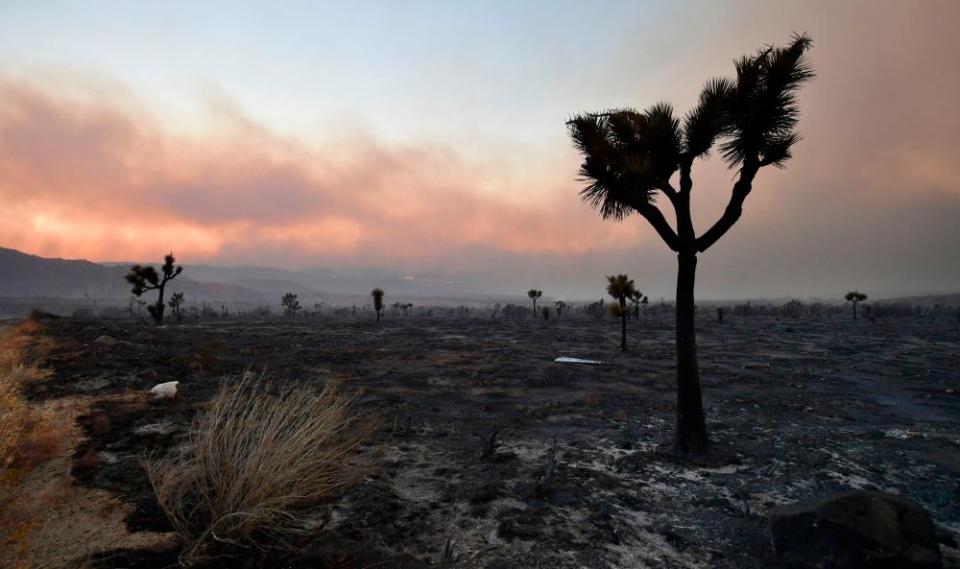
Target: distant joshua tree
[
  {"x": 176, "y": 301},
  {"x": 629, "y": 156},
  {"x": 638, "y": 299},
  {"x": 377, "y": 295},
  {"x": 560, "y": 306},
  {"x": 147, "y": 278},
  {"x": 621, "y": 287},
  {"x": 855, "y": 297},
  {"x": 534, "y": 294},
  {"x": 545, "y": 312},
  {"x": 290, "y": 304}
]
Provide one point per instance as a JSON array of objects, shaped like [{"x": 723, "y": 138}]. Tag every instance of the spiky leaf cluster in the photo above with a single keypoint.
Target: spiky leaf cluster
[
  {"x": 855, "y": 296},
  {"x": 377, "y": 295},
  {"x": 147, "y": 278},
  {"x": 762, "y": 108},
  {"x": 621, "y": 287},
  {"x": 629, "y": 155}
]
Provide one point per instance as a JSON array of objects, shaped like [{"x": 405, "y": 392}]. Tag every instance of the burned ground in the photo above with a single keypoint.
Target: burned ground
[{"x": 797, "y": 408}]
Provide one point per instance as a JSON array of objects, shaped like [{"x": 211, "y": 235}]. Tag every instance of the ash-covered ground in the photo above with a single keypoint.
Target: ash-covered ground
[{"x": 797, "y": 408}]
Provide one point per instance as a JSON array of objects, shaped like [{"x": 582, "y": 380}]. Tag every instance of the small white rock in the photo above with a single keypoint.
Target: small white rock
[
  {"x": 166, "y": 390},
  {"x": 106, "y": 340}
]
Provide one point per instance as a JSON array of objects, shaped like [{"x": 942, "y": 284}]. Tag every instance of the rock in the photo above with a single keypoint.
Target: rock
[
  {"x": 168, "y": 390},
  {"x": 106, "y": 341},
  {"x": 855, "y": 530}
]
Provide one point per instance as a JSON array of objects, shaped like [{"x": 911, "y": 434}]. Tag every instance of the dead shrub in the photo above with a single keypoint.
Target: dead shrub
[{"x": 254, "y": 463}]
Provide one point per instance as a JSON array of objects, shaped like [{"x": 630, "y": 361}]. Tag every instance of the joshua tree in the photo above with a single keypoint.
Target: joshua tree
[
  {"x": 637, "y": 298},
  {"x": 290, "y": 304},
  {"x": 560, "y": 306},
  {"x": 630, "y": 156},
  {"x": 147, "y": 278},
  {"x": 855, "y": 297},
  {"x": 545, "y": 312},
  {"x": 176, "y": 301},
  {"x": 621, "y": 287},
  {"x": 534, "y": 294},
  {"x": 377, "y": 295}
]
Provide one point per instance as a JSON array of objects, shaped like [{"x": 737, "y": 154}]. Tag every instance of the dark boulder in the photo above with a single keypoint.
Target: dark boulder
[{"x": 855, "y": 530}]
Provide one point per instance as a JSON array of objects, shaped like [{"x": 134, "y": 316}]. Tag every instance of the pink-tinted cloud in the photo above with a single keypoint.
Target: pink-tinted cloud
[{"x": 108, "y": 181}]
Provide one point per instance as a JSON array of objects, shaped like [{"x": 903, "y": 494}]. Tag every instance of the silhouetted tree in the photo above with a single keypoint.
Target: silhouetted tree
[
  {"x": 534, "y": 294},
  {"x": 638, "y": 299},
  {"x": 176, "y": 301},
  {"x": 631, "y": 155},
  {"x": 855, "y": 297},
  {"x": 377, "y": 295},
  {"x": 621, "y": 287},
  {"x": 146, "y": 278},
  {"x": 290, "y": 304},
  {"x": 545, "y": 312},
  {"x": 560, "y": 306}
]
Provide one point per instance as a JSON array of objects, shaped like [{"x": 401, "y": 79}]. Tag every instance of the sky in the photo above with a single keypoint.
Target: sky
[{"x": 429, "y": 138}]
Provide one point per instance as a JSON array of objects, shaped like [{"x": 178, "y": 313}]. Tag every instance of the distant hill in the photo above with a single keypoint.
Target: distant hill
[
  {"x": 29, "y": 276},
  {"x": 25, "y": 276},
  {"x": 926, "y": 299}
]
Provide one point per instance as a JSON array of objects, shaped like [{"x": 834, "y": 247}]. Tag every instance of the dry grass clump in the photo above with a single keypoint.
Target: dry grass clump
[
  {"x": 29, "y": 434},
  {"x": 256, "y": 460}
]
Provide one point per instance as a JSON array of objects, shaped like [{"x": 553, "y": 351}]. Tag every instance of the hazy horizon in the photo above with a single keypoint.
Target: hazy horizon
[{"x": 429, "y": 139}]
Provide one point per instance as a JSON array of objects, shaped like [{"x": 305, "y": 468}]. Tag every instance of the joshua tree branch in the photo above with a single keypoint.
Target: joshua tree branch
[
  {"x": 741, "y": 189},
  {"x": 653, "y": 214},
  {"x": 668, "y": 190}
]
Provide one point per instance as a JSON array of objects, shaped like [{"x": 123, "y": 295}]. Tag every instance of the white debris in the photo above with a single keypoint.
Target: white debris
[
  {"x": 106, "y": 340},
  {"x": 155, "y": 429},
  {"x": 166, "y": 390},
  {"x": 566, "y": 360}
]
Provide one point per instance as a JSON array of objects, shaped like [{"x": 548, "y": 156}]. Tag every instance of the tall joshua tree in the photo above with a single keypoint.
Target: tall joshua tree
[
  {"x": 621, "y": 287},
  {"x": 146, "y": 278},
  {"x": 630, "y": 156},
  {"x": 377, "y": 295},
  {"x": 855, "y": 297},
  {"x": 534, "y": 294}
]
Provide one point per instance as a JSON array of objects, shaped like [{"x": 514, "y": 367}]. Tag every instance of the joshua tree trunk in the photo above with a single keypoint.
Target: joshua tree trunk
[
  {"x": 534, "y": 308},
  {"x": 623, "y": 325},
  {"x": 158, "y": 308},
  {"x": 854, "y": 309},
  {"x": 691, "y": 425}
]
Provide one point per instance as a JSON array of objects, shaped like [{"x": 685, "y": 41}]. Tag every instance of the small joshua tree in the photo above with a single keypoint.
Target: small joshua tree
[
  {"x": 621, "y": 287},
  {"x": 290, "y": 304},
  {"x": 377, "y": 295},
  {"x": 176, "y": 301},
  {"x": 534, "y": 294},
  {"x": 560, "y": 306},
  {"x": 637, "y": 298},
  {"x": 146, "y": 278},
  {"x": 855, "y": 297},
  {"x": 545, "y": 312}
]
